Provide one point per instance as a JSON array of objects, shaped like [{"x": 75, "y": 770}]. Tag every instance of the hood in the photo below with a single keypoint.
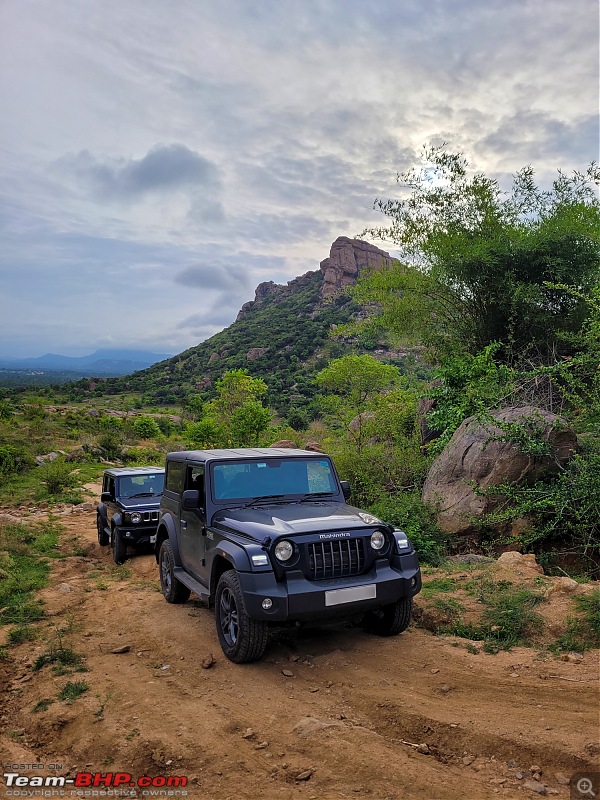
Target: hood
[
  {"x": 140, "y": 503},
  {"x": 287, "y": 519}
]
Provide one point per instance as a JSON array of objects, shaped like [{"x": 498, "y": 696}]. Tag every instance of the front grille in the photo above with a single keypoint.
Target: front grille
[
  {"x": 337, "y": 558},
  {"x": 150, "y": 516}
]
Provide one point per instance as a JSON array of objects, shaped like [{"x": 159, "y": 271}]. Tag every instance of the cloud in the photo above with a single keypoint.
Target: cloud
[
  {"x": 165, "y": 168},
  {"x": 212, "y": 275}
]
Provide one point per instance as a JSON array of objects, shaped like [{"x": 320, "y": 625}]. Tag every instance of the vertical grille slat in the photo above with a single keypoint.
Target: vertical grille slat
[{"x": 337, "y": 558}]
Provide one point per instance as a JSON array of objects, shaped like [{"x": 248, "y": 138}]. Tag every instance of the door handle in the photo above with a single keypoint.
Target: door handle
[{"x": 183, "y": 523}]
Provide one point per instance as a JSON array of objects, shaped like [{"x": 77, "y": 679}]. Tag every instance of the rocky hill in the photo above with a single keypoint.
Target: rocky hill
[{"x": 282, "y": 336}]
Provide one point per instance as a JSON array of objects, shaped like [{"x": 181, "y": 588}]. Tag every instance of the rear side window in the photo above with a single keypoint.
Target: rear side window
[{"x": 174, "y": 480}]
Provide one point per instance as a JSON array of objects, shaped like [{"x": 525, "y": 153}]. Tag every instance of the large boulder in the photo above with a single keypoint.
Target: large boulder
[{"x": 476, "y": 457}]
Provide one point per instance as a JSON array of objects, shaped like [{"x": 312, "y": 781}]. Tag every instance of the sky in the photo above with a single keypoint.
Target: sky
[{"x": 160, "y": 159}]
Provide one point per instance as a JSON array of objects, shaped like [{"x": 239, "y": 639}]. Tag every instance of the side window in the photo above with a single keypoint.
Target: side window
[
  {"x": 194, "y": 479},
  {"x": 111, "y": 487},
  {"x": 174, "y": 480}
]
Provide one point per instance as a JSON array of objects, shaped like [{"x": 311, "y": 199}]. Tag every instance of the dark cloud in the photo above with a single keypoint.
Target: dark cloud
[
  {"x": 212, "y": 275},
  {"x": 164, "y": 168}
]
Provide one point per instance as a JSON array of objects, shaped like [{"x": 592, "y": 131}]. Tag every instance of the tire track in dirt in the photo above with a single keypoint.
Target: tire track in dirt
[{"x": 348, "y": 713}]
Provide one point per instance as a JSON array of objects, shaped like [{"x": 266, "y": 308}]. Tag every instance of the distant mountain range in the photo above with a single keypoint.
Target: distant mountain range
[{"x": 102, "y": 363}]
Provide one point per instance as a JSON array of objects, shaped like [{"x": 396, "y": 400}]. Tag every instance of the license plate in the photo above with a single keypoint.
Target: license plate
[{"x": 338, "y": 596}]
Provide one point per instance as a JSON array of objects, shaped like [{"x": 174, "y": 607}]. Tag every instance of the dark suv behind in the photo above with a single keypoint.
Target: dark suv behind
[{"x": 128, "y": 510}]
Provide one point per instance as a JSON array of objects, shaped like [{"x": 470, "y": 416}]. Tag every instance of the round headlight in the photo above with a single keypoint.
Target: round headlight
[
  {"x": 377, "y": 540},
  {"x": 284, "y": 550},
  {"x": 135, "y": 517}
]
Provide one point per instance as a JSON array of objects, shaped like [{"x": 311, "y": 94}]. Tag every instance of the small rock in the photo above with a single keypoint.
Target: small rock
[
  {"x": 65, "y": 587},
  {"x": 424, "y": 749},
  {"x": 444, "y": 688},
  {"x": 534, "y": 786},
  {"x": 434, "y": 671},
  {"x": 304, "y": 776},
  {"x": 294, "y": 658},
  {"x": 125, "y": 648},
  {"x": 467, "y": 760},
  {"x": 498, "y": 781},
  {"x": 315, "y": 689},
  {"x": 287, "y": 673},
  {"x": 514, "y": 675},
  {"x": 534, "y": 768},
  {"x": 562, "y": 779},
  {"x": 209, "y": 661},
  {"x": 249, "y": 734},
  {"x": 261, "y": 746},
  {"x": 572, "y": 658}
]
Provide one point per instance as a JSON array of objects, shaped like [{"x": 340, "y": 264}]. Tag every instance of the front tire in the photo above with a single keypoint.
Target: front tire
[
  {"x": 242, "y": 639},
  {"x": 119, "y": 547},
  {"x": 173, "y": 590},
  {"x": 389, "y": 620},
  {"x": 103, "y": 537}
]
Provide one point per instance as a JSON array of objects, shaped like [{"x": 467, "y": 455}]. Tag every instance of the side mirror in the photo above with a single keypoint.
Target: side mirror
[
  {"x": 346, "y": 489},
  {"x": 105, "y": 497},
  {"x": 190, "y": 500}
]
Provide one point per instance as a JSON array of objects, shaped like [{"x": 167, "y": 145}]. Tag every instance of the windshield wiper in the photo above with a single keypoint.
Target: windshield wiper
[
  {"x": 141, "y": 494},
  {"x": 312, "y": 495},
  {"x": 255, "y": 500}
]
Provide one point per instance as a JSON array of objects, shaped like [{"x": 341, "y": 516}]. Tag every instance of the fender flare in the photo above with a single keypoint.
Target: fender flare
[
  {"x": 101, "y": 511},
  {"x": 167, "y": 525},
  {"x": 232, "y": 552}
]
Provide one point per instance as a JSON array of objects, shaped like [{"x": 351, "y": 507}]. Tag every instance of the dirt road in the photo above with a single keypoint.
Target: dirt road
[{"x": 340, "y": 709}]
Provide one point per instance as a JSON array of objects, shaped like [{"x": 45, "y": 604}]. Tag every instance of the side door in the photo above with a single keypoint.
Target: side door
[
  {"x": 110, "y": 487},
  {"x": 192, "y": 525}
]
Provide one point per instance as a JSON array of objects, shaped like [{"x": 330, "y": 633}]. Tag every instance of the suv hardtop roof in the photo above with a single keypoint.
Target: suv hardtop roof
[
  {"x": 120, "y": 471},
  {"x": 242, "y": 453}
]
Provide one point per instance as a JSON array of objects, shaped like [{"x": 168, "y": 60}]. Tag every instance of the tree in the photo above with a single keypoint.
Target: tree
[
  {"x": 480, "y": 267},
  {"x": 236, "y": 417},
  {"x": 355, "y": 380}
]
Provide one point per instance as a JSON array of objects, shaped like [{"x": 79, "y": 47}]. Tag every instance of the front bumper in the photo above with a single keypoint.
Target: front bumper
[
  {"x": 297, "y": 598},
  {"x": 138, "y": 534}
]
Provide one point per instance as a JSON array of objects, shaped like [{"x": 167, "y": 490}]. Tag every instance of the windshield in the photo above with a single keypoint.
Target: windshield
[
  {"x": 141, "y": 485},
  {"x": 244, "y": 480}
]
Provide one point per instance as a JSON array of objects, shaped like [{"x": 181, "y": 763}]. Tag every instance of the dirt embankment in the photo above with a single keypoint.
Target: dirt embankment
[{"x": 330, "y": 713}]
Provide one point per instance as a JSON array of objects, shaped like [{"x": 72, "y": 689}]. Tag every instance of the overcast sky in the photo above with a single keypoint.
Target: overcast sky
[{"x": 160, "y": 159}]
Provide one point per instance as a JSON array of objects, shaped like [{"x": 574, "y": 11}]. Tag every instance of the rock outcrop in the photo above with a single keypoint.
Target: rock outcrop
[
  {"x": 347, "y": 259},
  {"x": 475, "y": 457}
]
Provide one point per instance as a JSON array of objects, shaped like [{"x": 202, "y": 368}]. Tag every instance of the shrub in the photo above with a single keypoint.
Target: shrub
[
  {"x": 14, "y": 460},
  {"x": 146, "y": 428},
  {"x": 408, "y": 512},
  {"x": 72, "y": 690},
  {"x": 56, "y": 476},
  {"x": 110, "y": 442}
]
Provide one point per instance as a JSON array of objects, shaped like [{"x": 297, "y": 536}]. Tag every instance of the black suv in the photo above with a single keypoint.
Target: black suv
[
  {"x": 128, "y": 510},
  {"x": 266, "y": 536}
]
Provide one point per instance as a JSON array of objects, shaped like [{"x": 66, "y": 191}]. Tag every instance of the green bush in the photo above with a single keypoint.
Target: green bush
[
  {"x": 567, "y": 512},
  {"x": 408, "y": 512},
  {"x": 146, "y": 428},
  {"x": 14, "y": 459},
  {"x": 56, "y": 476}
]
